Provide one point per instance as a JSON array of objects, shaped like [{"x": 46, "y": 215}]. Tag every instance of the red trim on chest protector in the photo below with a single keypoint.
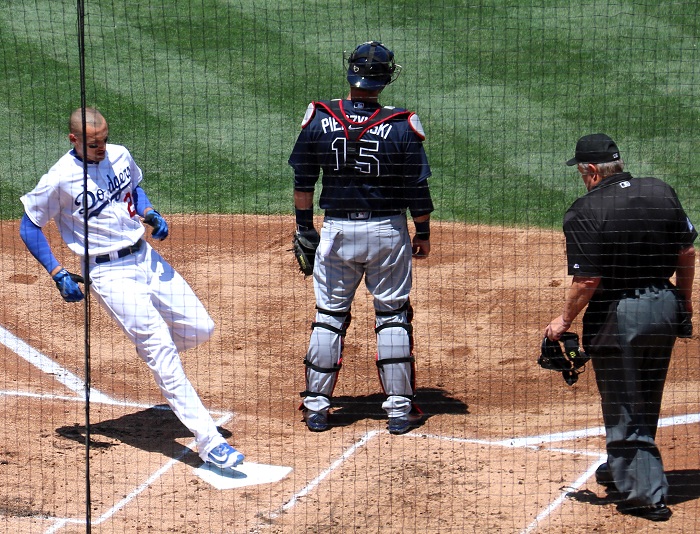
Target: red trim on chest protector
[{"x": 335, "y": 110}]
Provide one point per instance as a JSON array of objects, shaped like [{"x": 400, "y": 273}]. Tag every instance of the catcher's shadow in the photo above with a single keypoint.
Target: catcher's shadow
[
  {"x": 432, "y": 401},
  {"x": 154, "y": 429}
]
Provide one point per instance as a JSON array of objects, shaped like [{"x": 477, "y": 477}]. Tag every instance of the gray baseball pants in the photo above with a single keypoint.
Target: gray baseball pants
[
  {"x": 378, "y": 250},
  {"x": 631, "y": 383}
]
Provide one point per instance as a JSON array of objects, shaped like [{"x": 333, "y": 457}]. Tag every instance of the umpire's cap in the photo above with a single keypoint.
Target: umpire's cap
[
  {"x": 371, "y": 66},
  {"x": 595, "y": 148}
]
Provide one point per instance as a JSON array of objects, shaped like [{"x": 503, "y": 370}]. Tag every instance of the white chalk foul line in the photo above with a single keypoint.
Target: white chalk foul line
[
  {"x": 62, "y": 522},
  {"x": 316, "y": 481},
  {"x": 502, "y": 443},
  {"x": 112, "y": 402},
  {"x": 533, "y": 441},
  {"x": 77, "y": 386},
  {"x": 686, "y": 419},
  {"x": 580, "y": 481},
  {"x": 46, "y": 364}
]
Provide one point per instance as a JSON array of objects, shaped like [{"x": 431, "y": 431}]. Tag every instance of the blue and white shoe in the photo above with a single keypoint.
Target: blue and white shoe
[
  {"x": 401, "y": 425},
  {"x": 316, "y": 421},
  {"x": 224, "y": 456}
]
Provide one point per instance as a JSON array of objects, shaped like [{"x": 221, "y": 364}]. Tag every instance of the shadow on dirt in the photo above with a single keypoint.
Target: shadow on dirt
[
  {"x": 154, "y": 429},
  {"x": 683, "y": 485},
  {"x": 157, "y": 429},
  {"x": 432, "y": 401},
  {"x": 589, "y": 497}
]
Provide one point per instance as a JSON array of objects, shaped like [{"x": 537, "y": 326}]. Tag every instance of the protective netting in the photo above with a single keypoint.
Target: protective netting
[{"x": 208, "y": 96}]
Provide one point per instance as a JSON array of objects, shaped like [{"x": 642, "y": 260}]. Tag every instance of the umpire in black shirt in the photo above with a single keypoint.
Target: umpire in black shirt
[{"x": 625, "y": 239}]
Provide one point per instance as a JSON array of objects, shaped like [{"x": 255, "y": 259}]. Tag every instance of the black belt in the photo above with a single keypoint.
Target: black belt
[
  {"x": 104, "y": 258},
  {"x": 636, "y": 293},
  {"x": 363, "y": 215}
]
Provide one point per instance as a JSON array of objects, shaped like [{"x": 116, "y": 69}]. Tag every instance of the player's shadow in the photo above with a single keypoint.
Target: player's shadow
[
  {"x": 432, "y": 401},
  {"x": 683, "y": 485},
  {"x": 154, "y": 429}
]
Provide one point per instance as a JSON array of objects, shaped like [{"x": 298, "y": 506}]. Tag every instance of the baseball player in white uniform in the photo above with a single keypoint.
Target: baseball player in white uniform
[{"x": 147, "y": 298}]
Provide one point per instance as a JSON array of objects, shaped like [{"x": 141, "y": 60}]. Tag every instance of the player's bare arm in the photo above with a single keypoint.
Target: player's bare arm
[
  {"x": 303, "y": 200},
  {"x": 421, "y": 239}
]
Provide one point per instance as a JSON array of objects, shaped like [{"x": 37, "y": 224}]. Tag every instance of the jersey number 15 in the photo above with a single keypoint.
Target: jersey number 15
[{"x": 366, "y": 161}]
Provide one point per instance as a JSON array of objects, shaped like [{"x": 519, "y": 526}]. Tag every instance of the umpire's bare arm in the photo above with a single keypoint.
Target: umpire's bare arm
[
  {"x": 685, "y": 274},
  {"x": 580, "y": 293}
]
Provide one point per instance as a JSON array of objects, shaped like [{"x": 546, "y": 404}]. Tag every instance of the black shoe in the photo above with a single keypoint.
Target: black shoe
[
  {"x": 653, "y": 512},
  {"x": 603, "y": 475}
]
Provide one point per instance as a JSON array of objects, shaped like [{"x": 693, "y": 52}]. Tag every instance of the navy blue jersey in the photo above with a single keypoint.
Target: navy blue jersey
[{"x": 386, "y": 169}]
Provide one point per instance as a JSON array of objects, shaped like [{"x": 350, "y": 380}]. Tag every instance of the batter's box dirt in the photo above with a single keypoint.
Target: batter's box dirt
[{"x": 481, "y": 300}]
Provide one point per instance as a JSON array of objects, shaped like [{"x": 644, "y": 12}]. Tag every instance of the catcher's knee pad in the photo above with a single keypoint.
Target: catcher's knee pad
[
  {"x": 403, "y": 315},
  {"x": 395, "y": 361},
  {"x": 324, "y": 358}
]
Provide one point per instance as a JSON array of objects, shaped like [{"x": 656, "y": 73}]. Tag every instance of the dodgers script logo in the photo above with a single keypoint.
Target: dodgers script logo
[{"x": 95, "y": 201}]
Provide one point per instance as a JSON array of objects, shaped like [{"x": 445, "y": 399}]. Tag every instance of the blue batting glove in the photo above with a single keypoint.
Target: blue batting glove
[
  {"x": 67, "y": 284},
  {"x": 160, "y": 227}
]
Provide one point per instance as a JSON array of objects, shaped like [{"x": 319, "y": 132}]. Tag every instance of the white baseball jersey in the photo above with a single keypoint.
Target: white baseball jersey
[
  {"x": 113, "y": 223},
  {"x": 146, "y": 297}
]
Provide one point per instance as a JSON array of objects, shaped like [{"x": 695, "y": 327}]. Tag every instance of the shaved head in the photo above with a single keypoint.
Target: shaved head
[
  {"x": 93, "y": 145},
  {"x": 93, "y": 119}
]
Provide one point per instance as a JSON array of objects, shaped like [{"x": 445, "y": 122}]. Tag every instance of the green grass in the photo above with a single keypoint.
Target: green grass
[{"x": 208, "y": 95}]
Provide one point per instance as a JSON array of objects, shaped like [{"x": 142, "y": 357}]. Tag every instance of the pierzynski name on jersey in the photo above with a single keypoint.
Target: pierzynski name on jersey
[{"x": 329, "y": 124}]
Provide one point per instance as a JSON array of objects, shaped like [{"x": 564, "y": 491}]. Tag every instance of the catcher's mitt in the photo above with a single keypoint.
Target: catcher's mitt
[
  {"x": 304, "y": 245},
  {"x": 567, "y": 361}
]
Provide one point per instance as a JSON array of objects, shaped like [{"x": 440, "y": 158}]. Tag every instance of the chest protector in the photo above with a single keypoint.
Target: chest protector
[{"x": 355, "y": 130}]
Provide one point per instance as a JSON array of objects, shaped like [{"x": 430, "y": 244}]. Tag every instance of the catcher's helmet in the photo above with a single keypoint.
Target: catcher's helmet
[{"x": 371, "y": 66}]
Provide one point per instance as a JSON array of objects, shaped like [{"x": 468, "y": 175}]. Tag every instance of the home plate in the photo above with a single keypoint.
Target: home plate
[{"x": 246, "y": 474}]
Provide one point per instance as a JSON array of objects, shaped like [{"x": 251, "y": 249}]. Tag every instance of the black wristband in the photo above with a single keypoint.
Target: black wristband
[
  {"x": 305, "y": 218},
  {"x": 423, "y": 230}
]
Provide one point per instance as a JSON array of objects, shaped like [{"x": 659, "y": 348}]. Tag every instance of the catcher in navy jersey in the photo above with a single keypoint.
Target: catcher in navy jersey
[{"x": 374, "y": 171}]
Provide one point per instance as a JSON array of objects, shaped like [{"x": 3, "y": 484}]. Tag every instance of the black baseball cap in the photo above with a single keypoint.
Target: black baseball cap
[{"x": 595, "y": 148}]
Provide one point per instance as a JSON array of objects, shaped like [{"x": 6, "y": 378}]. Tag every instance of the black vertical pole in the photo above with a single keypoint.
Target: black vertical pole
[{"x": 86, "y": 266}]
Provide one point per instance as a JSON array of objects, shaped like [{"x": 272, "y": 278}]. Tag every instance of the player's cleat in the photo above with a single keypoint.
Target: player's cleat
[
  {"x": 316, "y": 421},
  {"x": 653, "y": 512},
  {"x": 224, "y": 456},
  {"x": 401, "y": 425},
  {"x": 603, "y": 475}
]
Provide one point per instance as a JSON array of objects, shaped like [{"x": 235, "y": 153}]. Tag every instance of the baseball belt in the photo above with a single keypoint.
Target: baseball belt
[
  {"x": 104, "y": 258},
  {"x": 362, "y": 215}
]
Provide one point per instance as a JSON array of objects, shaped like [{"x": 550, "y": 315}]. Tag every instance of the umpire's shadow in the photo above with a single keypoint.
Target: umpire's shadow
[
  {"x": 683, "y": 485},
  {"x": 154, "y": 429},
  {"x": 432, "y": 401}
]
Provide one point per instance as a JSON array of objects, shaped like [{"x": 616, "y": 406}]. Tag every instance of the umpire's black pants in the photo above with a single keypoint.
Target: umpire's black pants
[{"x": 631, "y": 382}]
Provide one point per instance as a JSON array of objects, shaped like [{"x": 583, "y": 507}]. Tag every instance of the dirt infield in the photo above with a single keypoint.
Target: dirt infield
[{"x": 506, "y": 446}]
